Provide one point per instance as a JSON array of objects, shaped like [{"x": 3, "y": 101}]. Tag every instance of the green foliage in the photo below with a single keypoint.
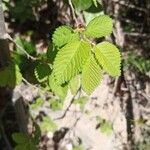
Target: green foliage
[
  {"x": 10, "y": 76},
  {"x": 22, "y": 10},
  {"x": 23, "y": 142},
  {"x": 38, "y": 103},
  {"x": 20, "y": 138},
  {"x": 18, "y": 75},
  {"x": 138, "y": 63},
  {"x": 82, "y": 102},
  {"x": 56, "y": 104},
  {"x": 78, "y": 148},
  {"x": 4, "y": 5},
  {"x": 82, "y": 4},
  {"x": 91, "y": 75},
  {"x": 99, "y": 27},
  {"x": 48, "y": 125},
  {"x": 71, "y": 55},
  {"x": 59, "y": 90},
  {"x": 89, "y": 16},
  {"x": 27, "y": 46},
  {"x": 51, "y": 53},
  {"x": 70, "y": 60},
  {"x": 79, "y": 57},
  {"x": 108, "y": 56},
  {"x": 105, "y": 126},
  {"x": 42, "y": 71},
  {"x": 74, "y": 84},
  {"x": 63, "y": 35},
  {"x": 95, "y": 3}
]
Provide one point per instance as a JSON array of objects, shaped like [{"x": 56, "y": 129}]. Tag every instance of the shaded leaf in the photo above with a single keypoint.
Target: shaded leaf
[
  {"x": 42, "y": 71},
  {"x": 20, "y": 138},
  {"x": 82, "y": 4}
]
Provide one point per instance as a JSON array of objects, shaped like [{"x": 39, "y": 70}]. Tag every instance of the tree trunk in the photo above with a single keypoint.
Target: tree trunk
[
  {"x": 4, "y": 55},
  {"x": 6, "y": 92},
  {"x": 113, "y": 9},
  {"x": 4, "y": 48}
]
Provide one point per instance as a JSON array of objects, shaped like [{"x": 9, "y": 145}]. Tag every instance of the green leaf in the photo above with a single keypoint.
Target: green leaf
[
  {"x": 58, "y": 89},
  {"x": 4, "y": 77},
  {"x": 82, "y": 4},
  {"x": 74, "y": 84},
  {"x": 38, "y": 103},
  {"x": 64, "y": 35},
  {"x": 10, "y": 76},
  {"x": 37, "y": 134},
  {"x": 27, "y": 46},
  {"x": 51, "y": 53},
  {"x": 42, "y": 71},
  {"x": 89, "y": 16},
  {"x": 20, "y": 138},
  {"x": 99, "y": 27},
  {"x": 23, "y": 141},
  {"x": 78, "y": 148},
  {"x": 48, "y": 125},
  {"x": 106, "y": 126},
  {"x": 91, "y": 75},
  {"x": 108, "y": 56},
  {"x": 81, "y": 101},
  {"x": 18, "y": 75},
  {"x": 95, "y": 2},
  {"x": 26, "y": 146},
  {"x": 56, "y": 104},
  {"x": 70, "y": 60}
]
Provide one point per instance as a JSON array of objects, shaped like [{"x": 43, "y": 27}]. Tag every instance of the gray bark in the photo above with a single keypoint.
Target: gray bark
[
  {"x": 2, "y": 24},
  {"x": 4, "y": 48}
]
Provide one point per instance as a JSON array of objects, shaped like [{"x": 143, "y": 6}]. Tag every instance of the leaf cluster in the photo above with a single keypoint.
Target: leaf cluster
[{"x": 78, "y": 56}]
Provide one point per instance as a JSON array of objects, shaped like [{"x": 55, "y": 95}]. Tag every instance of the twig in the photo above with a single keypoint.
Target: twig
[
  {"x": 137, "y": 34},
  {"x": 41, "y": 92},
  {"x": 23, "y": 79},
  {"x": 144, "y": 95},
  {"x": 129, "y": 5},
  {"x": 73, "y": 12},
  {"x": 68, "y": 107},
  {"x": 7, "y": 36}
]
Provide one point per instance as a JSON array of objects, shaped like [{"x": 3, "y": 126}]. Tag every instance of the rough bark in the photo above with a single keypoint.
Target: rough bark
[
  {"x": 4, "y": 48},
  {"x": 4, "y": 54},
  {"x": 113, "y": 9}
]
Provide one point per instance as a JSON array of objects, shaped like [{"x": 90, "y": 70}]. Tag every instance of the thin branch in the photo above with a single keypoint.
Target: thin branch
[
  {"x": 40, "y": 91},
  {"x": 144, "y": 95},
  {"x": 68, "y": 107},
  {"x": 7, "y": 36},
  {"x": 23, "y": 79},
  {"x": 137, "y": 34},
  {"x": 73, "y": 12},
  {"x": 129, "y": 5}
]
